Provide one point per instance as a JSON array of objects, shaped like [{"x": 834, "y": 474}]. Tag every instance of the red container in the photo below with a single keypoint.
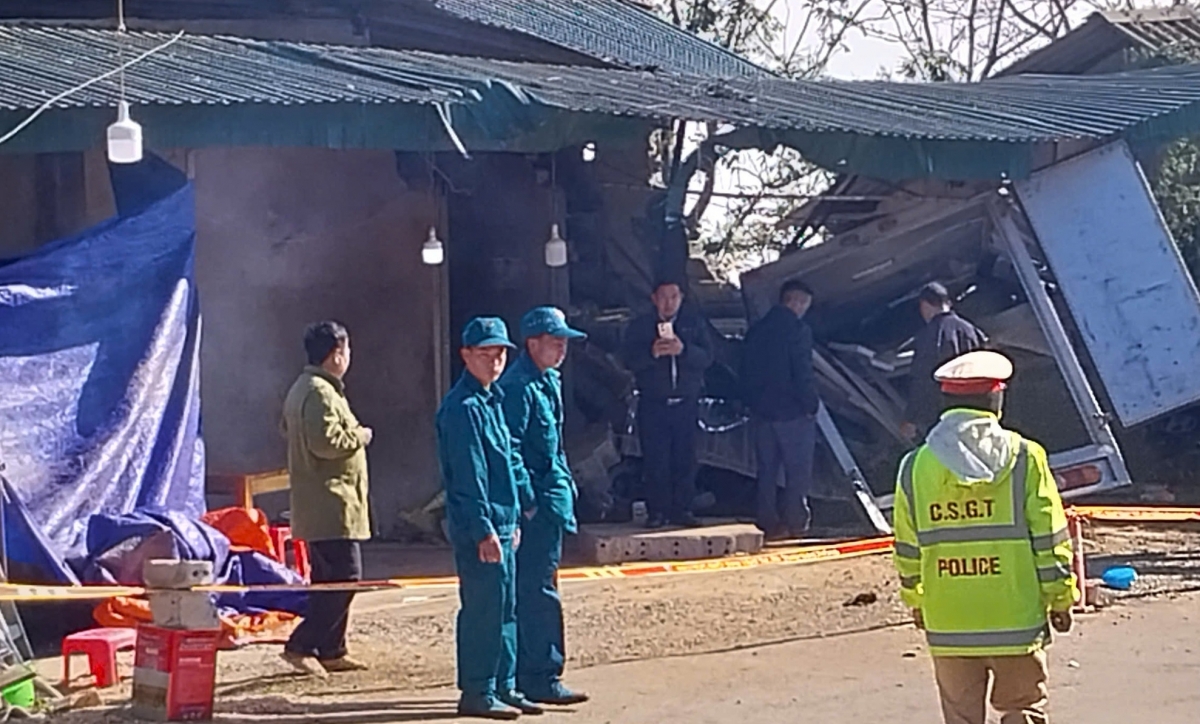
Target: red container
[{"x": 174, "y": 674}]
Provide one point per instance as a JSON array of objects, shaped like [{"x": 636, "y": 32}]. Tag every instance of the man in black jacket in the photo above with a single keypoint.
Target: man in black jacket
[
  {"x": 777, "y": 375},
  {"x": 668, "y": 352},
  {"x": 944, "y": 337}
]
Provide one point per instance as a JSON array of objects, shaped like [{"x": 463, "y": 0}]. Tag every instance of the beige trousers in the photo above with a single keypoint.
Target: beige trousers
[{"x": 1018, "y": 688}]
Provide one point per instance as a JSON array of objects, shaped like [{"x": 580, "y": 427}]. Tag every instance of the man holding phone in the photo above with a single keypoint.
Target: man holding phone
[{"x": 669, "y": 351}]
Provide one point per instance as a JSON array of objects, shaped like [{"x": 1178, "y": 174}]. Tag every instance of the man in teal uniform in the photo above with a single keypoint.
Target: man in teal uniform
[
  {"x": 533, "y": 407},
  {"x": 486, "y": 490}
]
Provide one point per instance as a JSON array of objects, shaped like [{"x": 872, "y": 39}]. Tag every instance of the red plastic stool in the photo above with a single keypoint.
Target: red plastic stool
[
  {"x": 101, "y": 646},
  {"x": 280, "y": 535}
]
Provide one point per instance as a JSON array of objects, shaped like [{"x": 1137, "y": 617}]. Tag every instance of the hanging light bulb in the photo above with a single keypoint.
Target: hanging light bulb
[
  {"x": 124, "y": 137},
  {"x": 589, "y": 152},
  {"x": 556, "y": 249},
  {"x": 432, "y": 252}
]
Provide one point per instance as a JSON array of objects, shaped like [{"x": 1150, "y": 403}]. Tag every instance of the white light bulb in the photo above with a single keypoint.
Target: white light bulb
[
  {"x": 556, "y": 249},
  {"x": 432, "y": 252},
  {"x": 124, "y": 137},
  {"x": 589, "y": 152}
]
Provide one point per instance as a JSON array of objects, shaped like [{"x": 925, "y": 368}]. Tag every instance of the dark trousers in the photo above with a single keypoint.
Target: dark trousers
[
  {"x": 786, "y": 446},
  {"x": 322, "y": 633},
  {"x": 541, "y": 650},
  {"x": 486, "y": 635},
  {"x": 668, "y": 437}
]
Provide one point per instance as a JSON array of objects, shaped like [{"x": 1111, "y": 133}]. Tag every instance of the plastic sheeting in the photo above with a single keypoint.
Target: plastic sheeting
[
  {"x": 99, "y": 375},
  {"x": 120, "y": 545}
]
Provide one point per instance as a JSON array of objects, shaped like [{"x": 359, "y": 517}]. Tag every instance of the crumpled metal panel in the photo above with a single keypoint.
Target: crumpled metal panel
[{"x": 1122, "y": 277}]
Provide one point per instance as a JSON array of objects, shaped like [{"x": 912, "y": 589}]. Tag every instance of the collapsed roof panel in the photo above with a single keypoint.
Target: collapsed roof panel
[
  {"x": 858, "y": 273},
  {"x": 1100, "y": 44}
]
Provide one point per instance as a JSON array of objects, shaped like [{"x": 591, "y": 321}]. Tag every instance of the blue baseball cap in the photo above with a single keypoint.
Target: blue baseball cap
[
  {"x": 547, "y": 320},
  {"x": 486, "y": 332}
]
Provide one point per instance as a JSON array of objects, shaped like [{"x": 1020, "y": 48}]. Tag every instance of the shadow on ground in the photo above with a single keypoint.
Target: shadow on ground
[
  {"x": 1183, "y": 565},
  {"x": 280, "y": 710}
]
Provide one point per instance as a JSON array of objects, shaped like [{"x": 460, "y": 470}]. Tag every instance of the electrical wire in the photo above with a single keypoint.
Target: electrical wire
[{"x": 120, "y": 69}]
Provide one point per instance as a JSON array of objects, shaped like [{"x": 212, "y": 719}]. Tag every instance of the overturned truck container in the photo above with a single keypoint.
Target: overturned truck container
[{"x": 1070, "y": 271}]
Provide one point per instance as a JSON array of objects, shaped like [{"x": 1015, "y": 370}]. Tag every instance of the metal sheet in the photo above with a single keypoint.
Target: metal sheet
[{"x": 1121, "y": 274}]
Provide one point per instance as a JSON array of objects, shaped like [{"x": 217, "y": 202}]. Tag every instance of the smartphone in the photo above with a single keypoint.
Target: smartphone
[{"x": 666, "y": 330}]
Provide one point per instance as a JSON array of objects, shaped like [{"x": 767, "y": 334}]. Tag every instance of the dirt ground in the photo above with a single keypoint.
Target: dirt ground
[{"x": 407, "y": 637}]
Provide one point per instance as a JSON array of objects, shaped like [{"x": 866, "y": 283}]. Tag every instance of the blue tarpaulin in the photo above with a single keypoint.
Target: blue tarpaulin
[
  {"x": 120, "y": 544},
  {"x": 99, "y": 376}
]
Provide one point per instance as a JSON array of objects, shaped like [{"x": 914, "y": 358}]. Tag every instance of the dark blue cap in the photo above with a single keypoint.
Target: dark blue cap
[
  {"x": 486, "y": 332},
  {"x": 547, "y": 320}
]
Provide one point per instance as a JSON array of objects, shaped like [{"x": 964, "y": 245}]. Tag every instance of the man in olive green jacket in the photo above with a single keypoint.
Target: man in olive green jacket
[{"x": 327, "y": 464}]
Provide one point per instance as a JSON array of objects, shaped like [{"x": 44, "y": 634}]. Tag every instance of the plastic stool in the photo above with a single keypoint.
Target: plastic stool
[
  {"x": 280, "y": 535},
  {"x": 101, "y": 646}
]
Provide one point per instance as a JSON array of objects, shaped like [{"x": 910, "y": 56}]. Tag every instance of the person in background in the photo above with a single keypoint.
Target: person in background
[
  {"x": 533, "y": 409},
  {"x": 668, "y": 352},
  {"x": 327, "y": 468},
  {"x": 777, "y": 373},
  {"x": 982, "y": 550},
  {"x": 487, "y": 489},
  {"x": 944, "y": 337}
]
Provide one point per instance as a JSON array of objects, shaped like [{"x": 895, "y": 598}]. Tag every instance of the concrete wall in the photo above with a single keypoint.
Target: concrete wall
[
  {"x": 285, "y": 237},
  {"x": 291, "y": 236},
  {"x": 42, "y": 198},
  {"x": 18, "y": 219}
]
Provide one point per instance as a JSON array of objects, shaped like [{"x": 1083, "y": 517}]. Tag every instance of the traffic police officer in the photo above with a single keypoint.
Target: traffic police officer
[
  {"x": 533, "y": 408},
  {"x": 486, "y": 490},
  {"x": 982, "y": 549}
]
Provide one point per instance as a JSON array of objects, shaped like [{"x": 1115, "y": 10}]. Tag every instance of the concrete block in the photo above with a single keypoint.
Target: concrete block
[
  {"x": 608, "y": 544},
  {"x": 187, "y": 610},
  {"x": 168, "y": 573}
]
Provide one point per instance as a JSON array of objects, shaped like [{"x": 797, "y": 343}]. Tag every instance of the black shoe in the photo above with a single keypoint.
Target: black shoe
[
  {"x": 656, "y": 521},
  {"x": 521, "y": 703},
  {"x": 688, "y": 520},
  {"x": 558, "y": 695}
]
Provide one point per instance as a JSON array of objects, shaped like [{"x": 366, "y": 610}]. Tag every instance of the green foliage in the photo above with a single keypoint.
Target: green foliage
[
  {"x": 1175, "y": 170},
  {"x": 1176, "y": 185}
]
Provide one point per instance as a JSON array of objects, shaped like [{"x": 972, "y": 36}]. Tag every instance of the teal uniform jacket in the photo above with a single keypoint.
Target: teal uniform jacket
[
  {"x": 486, "y": 484},
  {"x": 486, "y": 490},
  {"x": 533, "y": 409}
]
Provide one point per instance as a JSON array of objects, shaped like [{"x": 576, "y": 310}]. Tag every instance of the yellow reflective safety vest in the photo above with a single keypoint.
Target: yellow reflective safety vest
[{"x": 985, "y": 561}]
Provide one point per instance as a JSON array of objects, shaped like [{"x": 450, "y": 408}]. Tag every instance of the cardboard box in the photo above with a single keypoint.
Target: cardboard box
[{"x": 174, "y": 674}]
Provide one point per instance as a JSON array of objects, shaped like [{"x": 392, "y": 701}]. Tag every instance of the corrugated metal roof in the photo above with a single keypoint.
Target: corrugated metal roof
[
  {"x": 1098, "y": 44},
  {"x": 37, "y": 63},
  {"x": 1021, "y": 109},
  {"x": 882, "y": 129},
  {"x": 611, "y": 30}
]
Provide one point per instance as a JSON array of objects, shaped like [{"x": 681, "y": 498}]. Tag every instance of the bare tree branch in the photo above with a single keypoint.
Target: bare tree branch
[
  {"x": 1039, "y": 27},
  {"x": 993, "y": 55},
  {"x": 971, "y": 15}
]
